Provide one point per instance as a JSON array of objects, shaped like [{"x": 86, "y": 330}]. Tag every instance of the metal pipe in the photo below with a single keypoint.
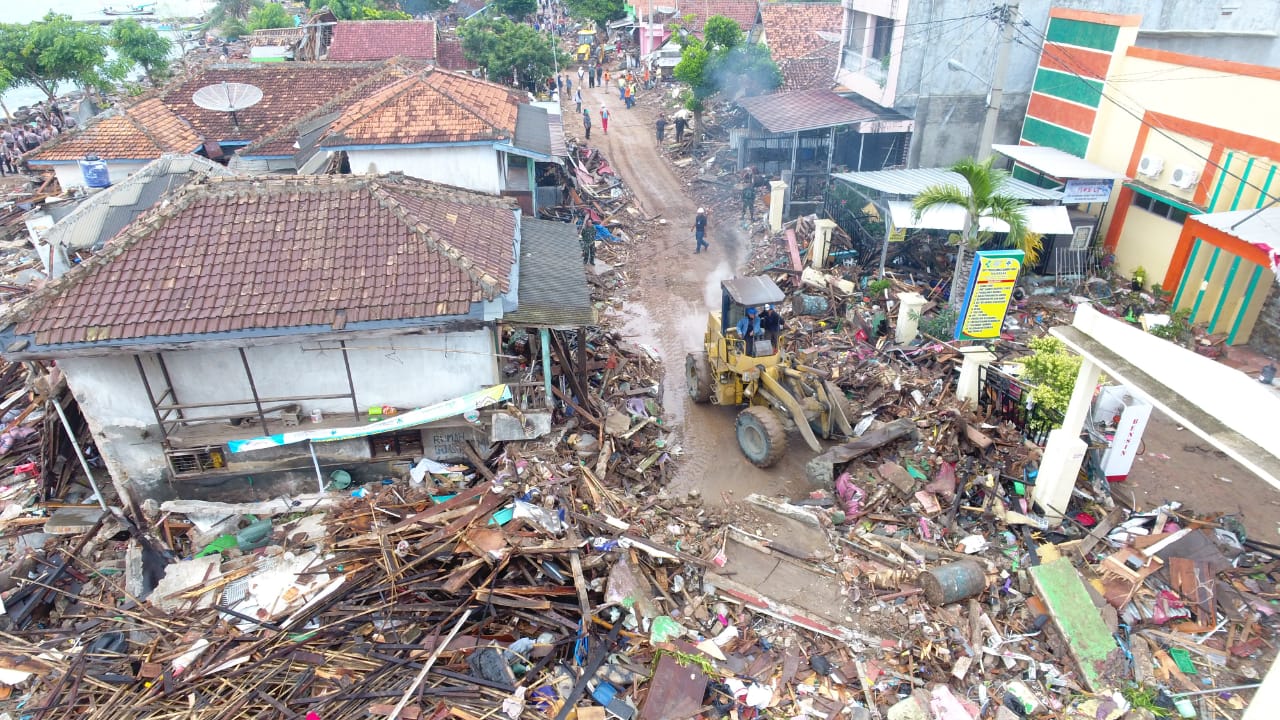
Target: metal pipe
[
  {"x": 257, "y": 402},
  {"x": 84, "y": 464},
  {"x": 351, "y": 385},
  {"x": 311, "y": 445}
]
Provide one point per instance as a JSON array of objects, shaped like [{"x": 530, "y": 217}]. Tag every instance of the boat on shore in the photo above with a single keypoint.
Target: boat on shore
[{"x": 141, "y": 10}]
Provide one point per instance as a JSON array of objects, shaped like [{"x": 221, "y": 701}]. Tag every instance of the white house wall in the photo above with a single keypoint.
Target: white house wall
[
  {"x": 475, "y": 167},
  {"x": 407, "y": 371},
  {"x": 69, "y": 174}
]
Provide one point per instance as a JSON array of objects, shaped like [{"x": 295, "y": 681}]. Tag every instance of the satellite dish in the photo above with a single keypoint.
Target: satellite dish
[{"x": 227, "y": 97}]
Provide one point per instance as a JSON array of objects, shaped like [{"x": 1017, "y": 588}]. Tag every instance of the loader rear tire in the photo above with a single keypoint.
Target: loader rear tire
[
  {"x": 761, "y": 436},
  {"x": 697, "y": 371}
]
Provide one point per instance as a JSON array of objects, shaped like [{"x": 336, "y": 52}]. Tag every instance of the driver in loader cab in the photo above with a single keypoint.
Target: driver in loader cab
[{"x": 749, "y": 329}]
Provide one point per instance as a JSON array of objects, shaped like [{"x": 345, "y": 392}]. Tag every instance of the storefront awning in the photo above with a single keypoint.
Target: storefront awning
[
  {"x": 911, "y": 182},
  {"x": 1041, "y": 219},
  {"x": 1259, "y": 228},
  {"x": 1056, "y": 163}
]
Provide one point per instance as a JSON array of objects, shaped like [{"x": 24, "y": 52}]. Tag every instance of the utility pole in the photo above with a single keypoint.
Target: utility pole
[{"x": 1007, "y": 16}]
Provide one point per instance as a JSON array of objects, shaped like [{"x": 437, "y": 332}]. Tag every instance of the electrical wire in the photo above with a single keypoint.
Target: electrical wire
[
  {"x": 1042, "y": 41},
  {"x": 929, "y": 72}
]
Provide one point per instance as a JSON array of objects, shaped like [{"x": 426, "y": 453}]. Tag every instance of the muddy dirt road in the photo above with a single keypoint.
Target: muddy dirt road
[{"x": 673, "y": 292}]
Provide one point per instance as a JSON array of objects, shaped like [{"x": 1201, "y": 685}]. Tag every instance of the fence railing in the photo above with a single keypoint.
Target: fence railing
[{"x": 1005, "y": 398}]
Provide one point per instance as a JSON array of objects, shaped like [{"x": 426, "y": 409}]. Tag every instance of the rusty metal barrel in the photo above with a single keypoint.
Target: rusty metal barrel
[{"x": 952, "y": 583}]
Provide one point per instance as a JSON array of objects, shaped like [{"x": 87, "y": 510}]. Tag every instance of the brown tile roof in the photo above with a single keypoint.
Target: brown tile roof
[
  {"x": 804, "y": 110},
  {"x": 280, "y": 142},
  {"x": 289, "y": 90},
  {"x": 791, "y": 29},
  {"x": 433, "y": 106},
  {"x": 743, "y": 11},
  {"x": 811, "y": 73},
  {"x": 262, "y": 255},
  {"x": 383, "y": 39},
  {"x": 141, "y": 131},
  {"x": 449, "y": 54},
  {"x": 276, "y": 36}
]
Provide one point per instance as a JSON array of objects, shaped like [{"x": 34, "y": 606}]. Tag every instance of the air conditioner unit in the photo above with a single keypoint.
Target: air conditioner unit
[
  {"x": 1184, "y": 177},
  {"x": 1150, "y": 165}
]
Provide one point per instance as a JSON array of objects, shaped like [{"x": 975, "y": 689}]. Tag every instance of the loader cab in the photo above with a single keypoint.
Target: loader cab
[{"x": 739, "y": 294}]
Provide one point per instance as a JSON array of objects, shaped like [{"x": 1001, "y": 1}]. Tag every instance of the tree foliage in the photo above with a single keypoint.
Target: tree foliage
[
  {"x": 362, "y": 9},
  {"x": 721, "y": 62},
  {"x": 141, "y": 46},
  {"x": 1052, "y": 369},
  {"x": 982, "y": 197},
  {"x": 516, "y": 9},
  {"x": 599, "y": 12},
  {"x": 225, "y": 11},
  {"x": 54, "y": 50},
  {"x": 510, "y": 51},
  {"x": 269, "y": 15}
]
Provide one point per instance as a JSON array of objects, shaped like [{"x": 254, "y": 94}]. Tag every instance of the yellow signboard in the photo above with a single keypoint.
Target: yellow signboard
[
  {"x": 897, "y": 234},
  {"x": 987, "y": 296}
]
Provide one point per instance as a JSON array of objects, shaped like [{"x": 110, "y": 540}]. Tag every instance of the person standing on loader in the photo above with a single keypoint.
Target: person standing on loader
[{"x": 749, "y": 330}]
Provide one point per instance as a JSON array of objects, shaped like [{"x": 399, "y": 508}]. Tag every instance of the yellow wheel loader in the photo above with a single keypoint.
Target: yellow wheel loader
[{"x": 754, "y": 371}]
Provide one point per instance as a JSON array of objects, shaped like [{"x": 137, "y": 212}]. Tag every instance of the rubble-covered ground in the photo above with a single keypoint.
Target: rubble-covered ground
[{"x": 631, "y": 563}]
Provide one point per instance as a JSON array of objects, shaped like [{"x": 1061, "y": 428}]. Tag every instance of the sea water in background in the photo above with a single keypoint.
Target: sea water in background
[{"x": 16, "y": 11}]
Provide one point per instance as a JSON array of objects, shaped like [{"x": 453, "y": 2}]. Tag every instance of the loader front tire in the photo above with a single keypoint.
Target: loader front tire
[
  {"x": 697, "y": 372},
  {"x": 761, "y": 436}
]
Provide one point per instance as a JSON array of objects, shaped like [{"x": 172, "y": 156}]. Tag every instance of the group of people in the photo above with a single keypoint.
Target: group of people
[{"x": 757, "y": 325}]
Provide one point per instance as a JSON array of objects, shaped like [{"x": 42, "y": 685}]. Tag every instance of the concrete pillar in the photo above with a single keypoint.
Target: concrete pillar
[
  {"x": 1064, "y": 452},
  {"x": 1267, "y": 696},
  {"x": 909, "y": 318},
  {"x": 821, "y": 242},
  {"x": 976, "y": 357},
  {"x": 777, "y": 197}
]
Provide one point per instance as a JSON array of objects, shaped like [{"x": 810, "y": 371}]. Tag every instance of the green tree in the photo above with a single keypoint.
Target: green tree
[
  {"x": 139, "y": 45},
  {"x": 722, "y": 62},
  {"x": 516, "y": 9},
  {"x": 510, "y": 51},
  {"x": 52, "y": 51},
  {"x": 722, "y": 32},
  {"x": 362, "y": 9},
  {"x": 224, "y": 11},
  {"x": 599, "y": 12},
  {"x": 1052, "y": 369},
  {"x": 269, "y": 15},
  {"x": 982, "y": 197}
]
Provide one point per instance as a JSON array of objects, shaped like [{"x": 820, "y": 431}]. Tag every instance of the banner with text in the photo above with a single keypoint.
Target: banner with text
[
  {"x": 421, "y": 416},
  {"x": 986, "y": 297}
]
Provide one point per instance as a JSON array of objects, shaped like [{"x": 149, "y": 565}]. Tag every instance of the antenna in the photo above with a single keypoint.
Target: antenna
[{"x": 227, "y": 97}]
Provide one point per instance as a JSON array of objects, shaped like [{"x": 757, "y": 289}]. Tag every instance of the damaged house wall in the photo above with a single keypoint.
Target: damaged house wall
[
  {"x": 475, "y": 167},
  {"x": 407, "y": 371}
]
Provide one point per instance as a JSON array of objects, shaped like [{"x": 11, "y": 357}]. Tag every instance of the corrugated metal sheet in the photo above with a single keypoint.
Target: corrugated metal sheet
[
  {"x": 1041, "y": 219},
  {"x": 104, "y": 214},
  {"x": 1260, "y": 228},
  {"x": 1056, "y": 163},
  {"x": 553, "y": 281},
  {"x": 804, "y": 110},
  {"x": 910, "y": 183}
]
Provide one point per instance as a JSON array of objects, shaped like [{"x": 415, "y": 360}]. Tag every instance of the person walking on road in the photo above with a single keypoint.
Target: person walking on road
[
  {"x": 581, "y": 72},
  {"x": 599, "y": 70},
  {"x": 681, "y": 124},
  {"x": 586, "y": 122},
  {"x": 700, "y": 231},
  {"x": 748, "y": 196},
  {"x": 577, "y": 98},
  {"x": 661, "y": 126},
  {"x": 588, "y": 241},
  {"x": 604, "y": 119}
]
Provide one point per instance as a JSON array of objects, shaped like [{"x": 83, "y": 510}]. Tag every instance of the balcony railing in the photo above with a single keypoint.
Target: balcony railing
[{"x": 875, "y": 69}]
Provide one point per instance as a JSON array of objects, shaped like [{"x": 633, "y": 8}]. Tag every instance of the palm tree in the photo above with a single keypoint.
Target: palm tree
[{"x": 981, "y": 199}]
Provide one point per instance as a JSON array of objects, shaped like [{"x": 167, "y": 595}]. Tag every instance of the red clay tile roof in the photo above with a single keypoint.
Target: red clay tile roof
[
  {"x": 280, "y": 142},
  {"x": 791, "y": 29},
  {"x": 289, "y": 90},
  {"x": 252, "y": 254},
  {"x": 743, "y": 11},
  {"x": 383, "y": 39},
  {"x": 142, "y": 131},
  {"x": 449, "y": 54},
  {"x": 434, "y": 106},
  {"x": 816, "y": 72}
]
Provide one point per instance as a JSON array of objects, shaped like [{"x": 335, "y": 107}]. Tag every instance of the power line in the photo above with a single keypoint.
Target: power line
[
  {"x": 929, "y": 72},
  {"x": 1042, "y": 42}
]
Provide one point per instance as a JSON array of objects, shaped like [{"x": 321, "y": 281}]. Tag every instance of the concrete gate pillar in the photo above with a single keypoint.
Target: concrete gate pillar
[
  {"x": 777, "y": 197},
  {"x": 1064, "y": 452},
  {"x": 908, "y": 327},
  {"x": 976, "y": 357}
]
